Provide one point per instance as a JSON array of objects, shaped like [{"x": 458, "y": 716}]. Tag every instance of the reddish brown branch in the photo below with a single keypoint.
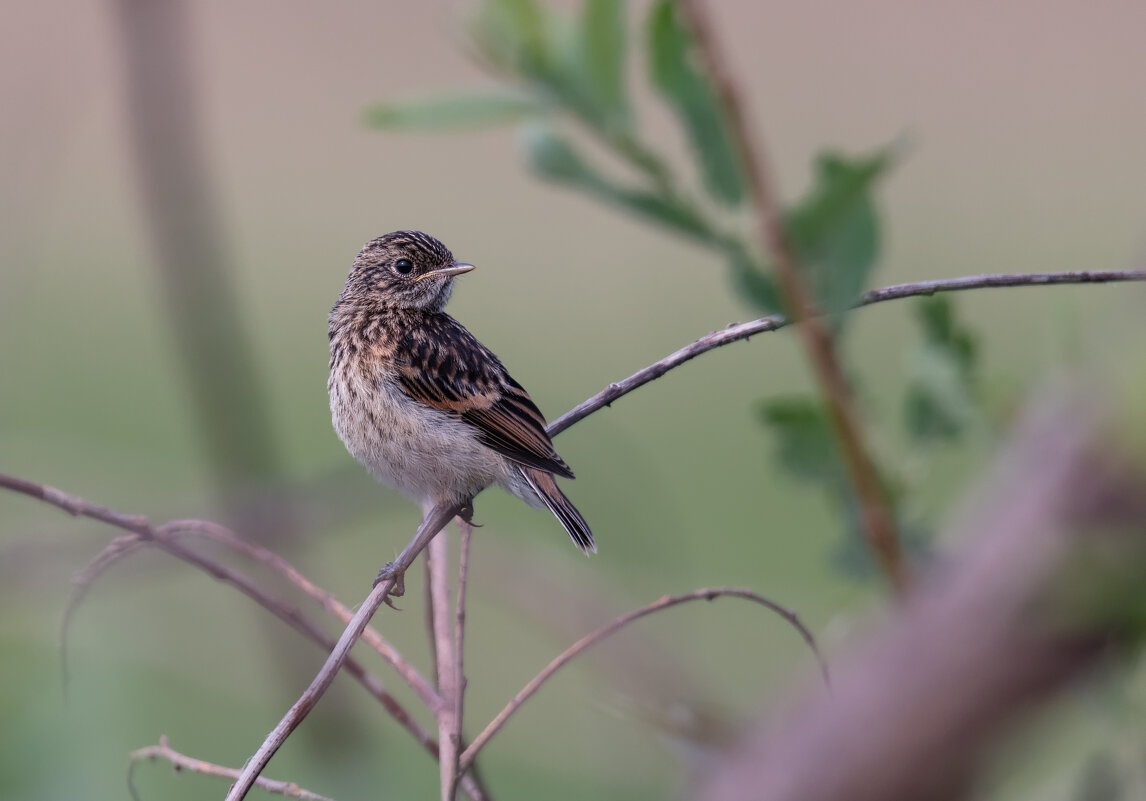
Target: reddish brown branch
[
  {"x": 586, "y": 642},
  {"x": 875, "y": 509}
]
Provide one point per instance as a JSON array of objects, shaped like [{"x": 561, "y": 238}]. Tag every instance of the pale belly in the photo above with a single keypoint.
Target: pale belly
[{"x": 425, "y": 454}]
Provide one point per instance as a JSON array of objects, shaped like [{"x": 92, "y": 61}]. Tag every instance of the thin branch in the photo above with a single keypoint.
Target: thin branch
[
  {"x": 774, "y": 322},
  {"x": 120, "y": 547},
  {"x": 616, "y": 625},
  {"x": 182, "y": 762},
  {"x": 224, "y": 536},
  {"x": 875, "y": 508},
  {"x": 435, "y": 521},
  {"x": 438, "y": 559},
  {"x": 140, "y": 525},
  {"x": 428, "y": 621},
  {"x": 465, "y": 529},
  {"x": 163, "y": 537}
]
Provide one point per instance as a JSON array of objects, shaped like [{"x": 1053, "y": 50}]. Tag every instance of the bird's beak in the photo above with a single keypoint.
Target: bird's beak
[{"x": 458, "y": 268}]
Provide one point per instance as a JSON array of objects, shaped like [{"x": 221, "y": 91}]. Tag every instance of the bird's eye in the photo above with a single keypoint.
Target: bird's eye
[{"x": 403, "y": 266}]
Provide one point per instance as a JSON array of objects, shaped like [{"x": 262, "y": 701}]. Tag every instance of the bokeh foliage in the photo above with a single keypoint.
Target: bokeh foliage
[{"x": 564, "y": 81}]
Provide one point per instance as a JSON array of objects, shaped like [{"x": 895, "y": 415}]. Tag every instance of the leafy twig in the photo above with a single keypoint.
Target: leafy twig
[{"x": 875, "y": 509}]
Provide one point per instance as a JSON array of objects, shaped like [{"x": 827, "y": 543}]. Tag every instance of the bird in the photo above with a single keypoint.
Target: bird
[{"x": 421, "y": 403}]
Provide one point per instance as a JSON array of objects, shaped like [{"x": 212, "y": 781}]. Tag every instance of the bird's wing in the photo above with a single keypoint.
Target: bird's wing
[{"x": 442, "y": 365}]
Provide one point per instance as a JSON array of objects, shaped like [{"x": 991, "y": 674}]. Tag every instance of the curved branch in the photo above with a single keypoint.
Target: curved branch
[
  {"x": 616, "y": 625},
  {"x": 182, "y": 762},
  {"x": 739, "y": 331},
  {"x": 120, "y": 547},
  {"x": 371, "y": 636},
  {"x": 163, "y": 538}
]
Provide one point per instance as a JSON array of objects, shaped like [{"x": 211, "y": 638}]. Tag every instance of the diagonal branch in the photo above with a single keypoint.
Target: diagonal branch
[
  {"x": 435, "y": 521},
  {"x": 163, "y": 537},
  {"x": 774, "y": 322},
  {"x": 140, "y": 526},
  {"x": 586, "y": 642}
]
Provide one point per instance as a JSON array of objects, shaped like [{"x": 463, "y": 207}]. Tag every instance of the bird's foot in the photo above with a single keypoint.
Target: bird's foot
[
  {"x": 466, "y": 513},
  {"x": 390, "y": 571}
]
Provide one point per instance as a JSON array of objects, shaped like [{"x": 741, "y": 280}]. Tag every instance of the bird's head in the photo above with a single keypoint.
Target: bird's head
[{"x": 406, "y": 270}]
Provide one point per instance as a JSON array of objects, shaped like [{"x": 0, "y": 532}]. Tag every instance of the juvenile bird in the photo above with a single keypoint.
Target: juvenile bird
[{"x": 420, "y": 402}]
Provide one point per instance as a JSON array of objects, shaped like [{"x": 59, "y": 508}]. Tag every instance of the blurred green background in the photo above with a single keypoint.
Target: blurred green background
[{"x": 1027, "y": 125}]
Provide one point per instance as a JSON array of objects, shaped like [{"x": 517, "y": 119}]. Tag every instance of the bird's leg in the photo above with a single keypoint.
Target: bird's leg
[
  {"x": 466, "y": 513},
  {"x": 436, "y": 516}
]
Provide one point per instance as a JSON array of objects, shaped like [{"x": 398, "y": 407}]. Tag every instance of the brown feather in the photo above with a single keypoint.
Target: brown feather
[{"x": 443, "y": 366}]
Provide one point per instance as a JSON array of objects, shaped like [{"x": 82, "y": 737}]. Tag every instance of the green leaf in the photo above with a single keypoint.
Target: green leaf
[
  {"x": 452, "y": 112},
  {"x": 602, "y": 40},
  {"x": 752, "y": 283},
  {"x": 805, "y": 441},
  {"x": 511, "y": 34},
  {"x": 834, "y": 229},
  {"x": 692, "y": 97},
  {"x": 553, "y": 158},
  {"x": 940, "y": 400}
]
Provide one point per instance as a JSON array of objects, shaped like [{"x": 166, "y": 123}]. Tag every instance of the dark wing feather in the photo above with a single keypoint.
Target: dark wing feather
[{"x": 442, "y": 365}]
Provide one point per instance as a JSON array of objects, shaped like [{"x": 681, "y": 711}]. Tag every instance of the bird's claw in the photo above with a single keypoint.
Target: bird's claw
[
  {"x": 390, "y": 571},
  {"x": 466, "y": 513}
]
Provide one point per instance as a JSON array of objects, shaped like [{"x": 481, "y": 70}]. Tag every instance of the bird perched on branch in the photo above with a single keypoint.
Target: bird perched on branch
[{"x": 420, "y": 402}]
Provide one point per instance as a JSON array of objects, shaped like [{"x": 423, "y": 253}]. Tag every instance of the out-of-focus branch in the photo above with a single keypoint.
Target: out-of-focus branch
[
  {"x": 182, "y": 762},
  {"x": 187, "y": 234},
  {"x": 586, "y": 642},
  {"x": 980, "y": 640},
  {"x": 875, "y": 509},
  {"x": 739, "y": 331}
]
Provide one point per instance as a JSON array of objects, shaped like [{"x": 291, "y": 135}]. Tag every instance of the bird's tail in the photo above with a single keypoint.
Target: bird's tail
[{"x": 550, "y": 494}]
